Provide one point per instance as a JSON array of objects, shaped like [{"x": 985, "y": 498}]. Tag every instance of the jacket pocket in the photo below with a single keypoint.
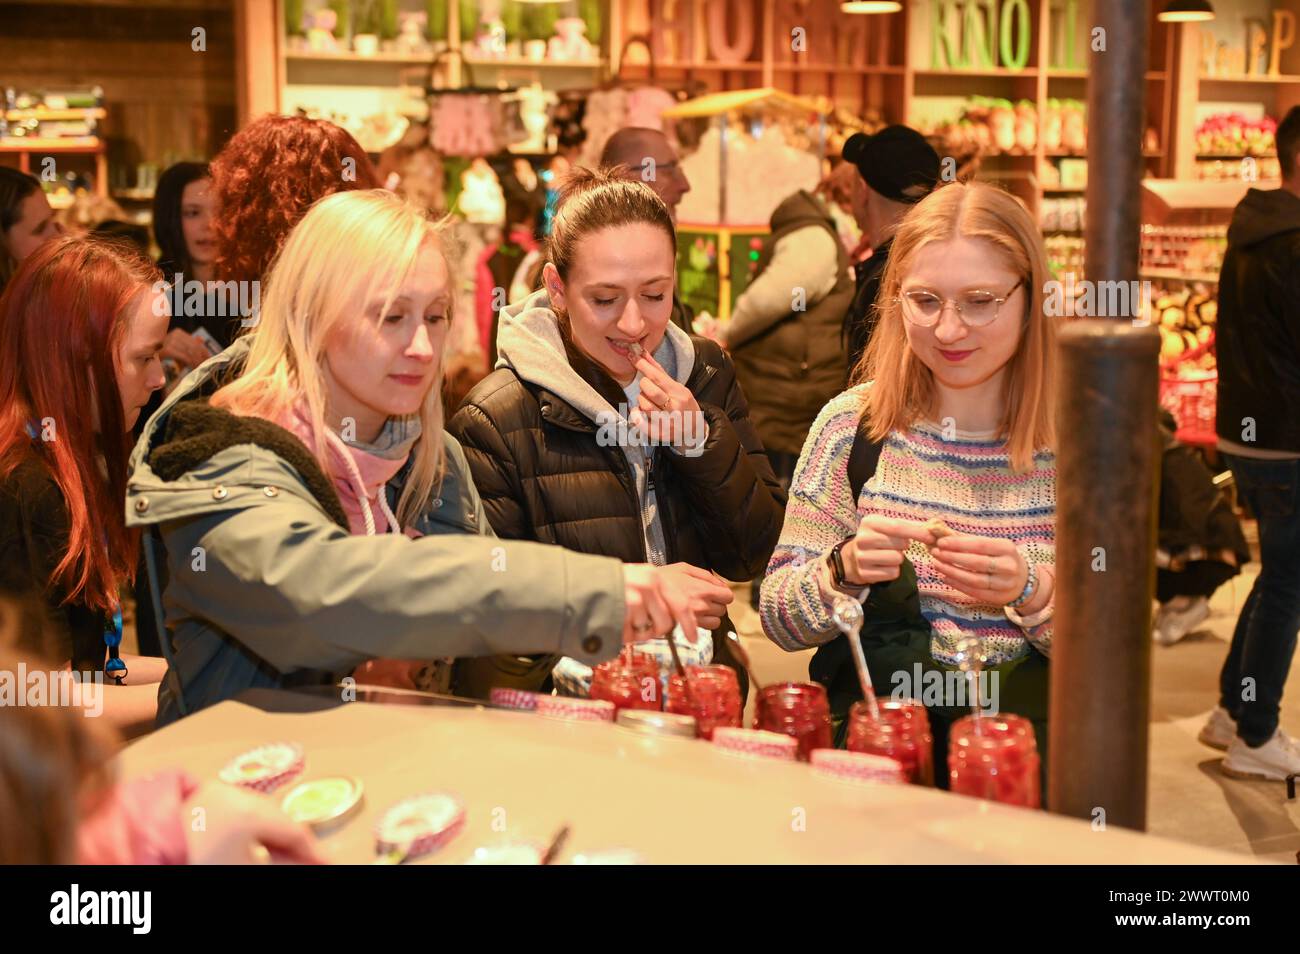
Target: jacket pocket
[
  {"x": 438, "y": 524},
  {"x": 1269, "y": 486}
]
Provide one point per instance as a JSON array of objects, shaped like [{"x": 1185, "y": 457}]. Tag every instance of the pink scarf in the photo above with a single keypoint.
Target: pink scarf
[{"x": 361, "y": 472}]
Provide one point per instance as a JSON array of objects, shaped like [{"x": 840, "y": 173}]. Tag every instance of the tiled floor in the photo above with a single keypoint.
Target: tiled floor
[{"x": 1188, "y": 798}]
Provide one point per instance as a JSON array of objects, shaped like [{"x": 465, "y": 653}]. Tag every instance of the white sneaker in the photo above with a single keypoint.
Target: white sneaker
[
  {"x": 1219, "y": 730},
  {"x": 1274, "y": 760},
  {"x": 1178, "y": 617}
]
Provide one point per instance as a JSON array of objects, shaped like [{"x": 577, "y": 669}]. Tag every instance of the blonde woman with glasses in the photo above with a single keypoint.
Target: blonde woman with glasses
[
  {"x": 315, "y": 514},
  {"x": 943, "y": 524}
]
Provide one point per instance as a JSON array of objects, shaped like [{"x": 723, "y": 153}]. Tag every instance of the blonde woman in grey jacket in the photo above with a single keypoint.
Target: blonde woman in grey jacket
[{"x": 314, "y": 513}]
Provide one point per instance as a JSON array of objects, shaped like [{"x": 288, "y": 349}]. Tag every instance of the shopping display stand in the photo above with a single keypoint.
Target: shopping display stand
[
  {"x": 1189, "y": 393},
  {"x": 1184, "y": 235},
  {"x": 718, "y": 259}
]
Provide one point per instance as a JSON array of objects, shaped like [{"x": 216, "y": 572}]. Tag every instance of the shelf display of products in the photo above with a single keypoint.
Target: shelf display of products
[
  {"x": 51, "y": 119},
  {"x": 1190, "y": 252},
  {"x": 991, "y": 126},
  {"x": 1247, "y": 168},
  {"x": 1187, "y": 317},
  {"x": 489, "y": 29},
  {"x": 1234, "y": 146},
  {"x": 1186, "y": 313},
  {"x": 65, "y": 122},
  {"x": 1062, "y": 215},
  {"x": 1064, "y": 254},
  {"x": 1232, "y": 134}
]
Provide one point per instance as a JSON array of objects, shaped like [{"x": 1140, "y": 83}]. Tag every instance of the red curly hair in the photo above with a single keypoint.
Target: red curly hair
[{"x": 267, "y": 177}]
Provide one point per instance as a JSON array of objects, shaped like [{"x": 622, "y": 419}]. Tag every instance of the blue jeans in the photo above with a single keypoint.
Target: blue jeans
[{"x": 1264, "y": 641}]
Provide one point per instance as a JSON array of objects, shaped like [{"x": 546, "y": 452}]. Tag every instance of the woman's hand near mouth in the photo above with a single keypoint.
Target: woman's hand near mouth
[{"x": 668, "y": 410}]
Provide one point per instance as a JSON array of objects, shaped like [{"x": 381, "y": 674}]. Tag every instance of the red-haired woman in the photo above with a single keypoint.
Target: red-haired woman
[
  {"x": 267, "y": 177},
  {"x": 81, "y": 327}
]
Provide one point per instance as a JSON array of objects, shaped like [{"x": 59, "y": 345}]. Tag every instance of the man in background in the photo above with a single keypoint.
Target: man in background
[
  {"x": 1258, "y": 421},
  {"x": 896, "y": 169},
  {"x": 632, "y": 146}
]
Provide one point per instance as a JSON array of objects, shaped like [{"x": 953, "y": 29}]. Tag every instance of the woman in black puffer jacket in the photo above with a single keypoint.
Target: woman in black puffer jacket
[{"x": 590, "y": 365}]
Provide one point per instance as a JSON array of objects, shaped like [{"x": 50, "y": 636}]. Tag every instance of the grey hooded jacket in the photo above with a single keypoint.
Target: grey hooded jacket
[{"x": 265, "y": 586}]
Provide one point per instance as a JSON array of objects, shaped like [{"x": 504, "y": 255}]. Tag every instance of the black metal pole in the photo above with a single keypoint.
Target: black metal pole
[
  {"x": 1107, "y": 461},
  {"x": 1107, "y": 453},
  {"x": 1116, "y": 110}
]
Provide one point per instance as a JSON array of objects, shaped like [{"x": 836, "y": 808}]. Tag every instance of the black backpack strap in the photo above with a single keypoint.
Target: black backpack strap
[
  {"x": 863, "y": 459},
  {"x": 832, "y": 663}
]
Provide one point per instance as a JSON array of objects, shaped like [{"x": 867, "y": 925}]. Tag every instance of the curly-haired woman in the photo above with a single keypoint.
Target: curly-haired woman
[{"x": 267, "y": 177}]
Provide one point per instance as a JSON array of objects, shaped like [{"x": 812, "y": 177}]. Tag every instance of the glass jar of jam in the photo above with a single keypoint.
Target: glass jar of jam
[
  {"x": 630, "y": 681},
  {"x": 995, "y": 758},
  {"x": 902, "y": 734},
  {"x": 797, "y": 709},
  {"x": 714, "y": 698}
]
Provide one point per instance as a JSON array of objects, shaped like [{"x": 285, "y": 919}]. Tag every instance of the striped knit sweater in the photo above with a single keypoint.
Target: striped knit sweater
[{"x": 963, "y": 478}]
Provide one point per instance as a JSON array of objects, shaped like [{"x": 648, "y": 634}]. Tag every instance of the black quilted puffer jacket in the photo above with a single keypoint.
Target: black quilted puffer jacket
[{"x": 544, "y": 476}]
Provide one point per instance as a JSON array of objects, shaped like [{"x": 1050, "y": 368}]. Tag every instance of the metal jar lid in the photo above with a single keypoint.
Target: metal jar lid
[{"x": 652, "y": 722}]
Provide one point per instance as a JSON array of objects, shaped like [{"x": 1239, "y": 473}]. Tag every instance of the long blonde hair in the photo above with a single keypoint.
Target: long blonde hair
[
  {"x": 903, "y": 389},
  {"x": 345, "y": 241}
]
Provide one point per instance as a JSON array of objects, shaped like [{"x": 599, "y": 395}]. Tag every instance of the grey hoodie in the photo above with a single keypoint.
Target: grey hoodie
[{"x": 529, "y": 343}]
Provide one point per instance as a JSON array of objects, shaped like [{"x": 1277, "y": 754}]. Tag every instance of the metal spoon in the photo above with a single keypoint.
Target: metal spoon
[
  {"x": 680, "y": 670},
  {"x": 970, "y": 660},
  {"x": 848, "y": 617}
]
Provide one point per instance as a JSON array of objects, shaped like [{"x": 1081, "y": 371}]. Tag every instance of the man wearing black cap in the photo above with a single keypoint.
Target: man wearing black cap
[{"x": 897, "y": 168}]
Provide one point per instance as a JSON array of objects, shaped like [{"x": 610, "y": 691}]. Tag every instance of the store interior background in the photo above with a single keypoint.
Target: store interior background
[{"x": 163, "y": 101}]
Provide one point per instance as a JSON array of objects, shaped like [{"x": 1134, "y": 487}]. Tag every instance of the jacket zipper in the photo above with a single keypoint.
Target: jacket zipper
[{"x": 628, "y": 479}]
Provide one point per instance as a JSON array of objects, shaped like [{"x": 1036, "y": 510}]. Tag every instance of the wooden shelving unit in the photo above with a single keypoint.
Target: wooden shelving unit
[
  {"x": 347, "y": 56},
  {"x": 29, "y": 149},
  {"x": 1280, "y": 78},
  {"x": 871, "y": 65},
  {"x": 897, "y": 81},
  {"x": 54, "y": 115}
]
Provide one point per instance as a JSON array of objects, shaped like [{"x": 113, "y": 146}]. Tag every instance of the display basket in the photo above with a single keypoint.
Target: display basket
[{"x": 1190, "y": 395}]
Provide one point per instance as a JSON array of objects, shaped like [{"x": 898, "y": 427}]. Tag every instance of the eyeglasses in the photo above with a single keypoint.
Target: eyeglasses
[{"x": 974, "y": 308}]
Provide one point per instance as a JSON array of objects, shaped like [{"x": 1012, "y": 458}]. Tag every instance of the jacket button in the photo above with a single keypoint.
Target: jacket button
[
  {"x": 141, "y": 505},
  {"x": 271, "y": 491},
  {"x": 592, "y": 644},
  {"x": 437, "y": 503},
  {"x": 220, "y": 493}
]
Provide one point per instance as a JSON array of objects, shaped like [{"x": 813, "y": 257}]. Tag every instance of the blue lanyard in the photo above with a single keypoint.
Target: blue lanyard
[{"x": 114, "y": 668}]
